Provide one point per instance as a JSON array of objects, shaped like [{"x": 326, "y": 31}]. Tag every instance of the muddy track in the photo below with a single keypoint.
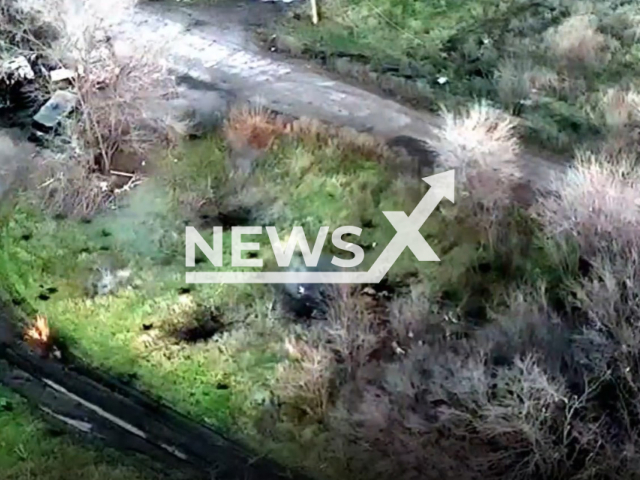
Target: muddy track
[
  {"x": 216, "y": 46},
  {"x": 103, "y": 408}
]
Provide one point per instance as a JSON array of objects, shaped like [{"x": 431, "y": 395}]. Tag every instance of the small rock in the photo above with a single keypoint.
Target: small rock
[{"x": 59, "y": 105}]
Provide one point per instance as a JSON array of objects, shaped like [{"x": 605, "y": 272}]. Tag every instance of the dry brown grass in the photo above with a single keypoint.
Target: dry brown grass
[
  {"x": 577, "y": 42},
  {"x": 620, "y": 108},
  {"x": 595, "y": 205},
  {"x": 67, "y": 187},
  {"x": 257, "y": 127},
  {"x": 252, "y": 126},
  {"x": 481, "y": 144},
  {"x": 315, "y": 131}
]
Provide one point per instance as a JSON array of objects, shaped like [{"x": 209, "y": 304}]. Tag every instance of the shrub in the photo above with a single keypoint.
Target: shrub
[
  {"x": 595, "y": 205},
  {"x": 576, "y": 42},
  {"x": 481, "y": 144},
  {"x": 305, "y": 381}
]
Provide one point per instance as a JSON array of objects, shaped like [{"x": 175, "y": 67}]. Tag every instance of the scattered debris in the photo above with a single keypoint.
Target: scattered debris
[
  {"x": 19, "y": 95},
  {"x": 61, "y": 75},
  {"x": 108, "y": 281},
  {"x": 59, "y": 106},
  {"x": 134, "y": 181},
  {"x": 15, "y": 70}
]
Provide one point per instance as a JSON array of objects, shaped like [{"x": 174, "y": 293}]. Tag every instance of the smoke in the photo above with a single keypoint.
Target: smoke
[{"x": 15, "y": 162}]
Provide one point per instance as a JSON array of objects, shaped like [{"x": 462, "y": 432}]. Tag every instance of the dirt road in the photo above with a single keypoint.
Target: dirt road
[{"x": 214, "y": 45}]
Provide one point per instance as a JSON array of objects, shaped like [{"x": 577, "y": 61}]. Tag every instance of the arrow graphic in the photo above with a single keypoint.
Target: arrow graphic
[
  {"x": 407, "y": 228},
  {"x": 407, "y": 235}
]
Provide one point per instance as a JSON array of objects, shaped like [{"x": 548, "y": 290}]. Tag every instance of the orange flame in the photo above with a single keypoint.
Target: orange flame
[{"x": 38, "y": 333}]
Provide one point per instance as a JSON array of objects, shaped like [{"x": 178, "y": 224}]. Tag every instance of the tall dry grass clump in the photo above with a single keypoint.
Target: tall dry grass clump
[
  {"x": 619, "y": 110},
  {"x": 576, "y": 42},
  {"x": 595, "y": 205},
  {"x": 252, "y": 127},
  {"x": 305, "y": 381},
  {"x": 482, "y": 146},
  {"x": 620, "y": 107}
]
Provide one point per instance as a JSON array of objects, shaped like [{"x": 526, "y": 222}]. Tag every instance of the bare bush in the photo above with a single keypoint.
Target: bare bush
[
  {"x": 577, "y": 42},
  {"x": 593, "y": 204},
  {"x": 304, "y": 382},
  {"x": 481, "y": 144},
  {"x": 114, "y": 98},
  {"x": 441, "y": 413},
  {"x": 352, "y": 331},
  {"x": 26, "y": 25},
  {"x": 505, "y": 402},
  {"x": 66, "y": 186}
]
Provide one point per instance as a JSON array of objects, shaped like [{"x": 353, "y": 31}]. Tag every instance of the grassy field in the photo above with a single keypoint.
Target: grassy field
[
  {"x": 548, "y": 62},
  {"x": 515, "y": 356},
  {"x": 30, "y": 450},
  {"x": 142, "y": 330},
  {"x": 494, "y": 342}
]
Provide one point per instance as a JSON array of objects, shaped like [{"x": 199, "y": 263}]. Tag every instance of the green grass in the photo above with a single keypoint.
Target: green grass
[
  {"x": 229, "y": 381},
  {"x": 484, "y": 48},
  {"x": 30, "y": 450}
]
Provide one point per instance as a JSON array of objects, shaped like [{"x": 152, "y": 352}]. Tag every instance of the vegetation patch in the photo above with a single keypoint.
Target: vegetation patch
[
  {"x": 546, "y": 62},
  {"x": 291, "y": 383},
  {"x": 515, "y": 356},
  {"x": 31, "y": 449}
]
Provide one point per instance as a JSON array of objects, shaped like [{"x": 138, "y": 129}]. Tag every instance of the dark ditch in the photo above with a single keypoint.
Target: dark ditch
[{"x": 104, "y": 408}]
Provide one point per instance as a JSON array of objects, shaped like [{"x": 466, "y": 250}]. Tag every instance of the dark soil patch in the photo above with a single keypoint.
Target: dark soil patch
[
  {"x": 423, "y": 155},
  {"x": 206, "y": 324}
]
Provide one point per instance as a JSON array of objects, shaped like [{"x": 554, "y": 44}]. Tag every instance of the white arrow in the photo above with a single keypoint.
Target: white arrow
[{"x": 408, "y": 234}]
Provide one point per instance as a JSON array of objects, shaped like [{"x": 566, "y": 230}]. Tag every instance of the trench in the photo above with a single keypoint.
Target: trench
[{"x": 97, "y": 406}]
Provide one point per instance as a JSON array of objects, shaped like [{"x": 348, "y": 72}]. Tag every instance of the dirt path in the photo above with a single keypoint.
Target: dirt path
[{"x": 215, "y": 46}]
